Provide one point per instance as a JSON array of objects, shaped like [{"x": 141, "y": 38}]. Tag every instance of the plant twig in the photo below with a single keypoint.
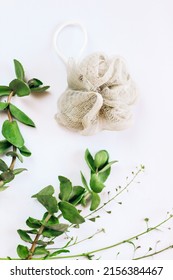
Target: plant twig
[{"x": 34, "y": 244}]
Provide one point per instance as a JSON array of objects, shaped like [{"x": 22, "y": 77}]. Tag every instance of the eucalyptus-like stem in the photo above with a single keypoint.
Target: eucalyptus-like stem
[
  {"x": 115, "y": 196},
  {"x": 154, "y": 253},
  {"x": 34, "y": 244},
  {"x": 10, "y": 117}
]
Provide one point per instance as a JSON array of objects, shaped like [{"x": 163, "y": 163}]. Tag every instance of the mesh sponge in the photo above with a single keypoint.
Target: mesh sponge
[{"x": 99, "y": 96}]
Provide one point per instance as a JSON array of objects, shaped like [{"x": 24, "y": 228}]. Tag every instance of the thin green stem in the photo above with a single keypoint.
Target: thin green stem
[
  {"x": 80, "y": 241},
  {"x": 155, "y": 253},
  {"x": 87, "y": 238},
  {"x": 115, "y": 196},
  {"x": 116, "y": 244},
  {"x": 89, "y": 253}
]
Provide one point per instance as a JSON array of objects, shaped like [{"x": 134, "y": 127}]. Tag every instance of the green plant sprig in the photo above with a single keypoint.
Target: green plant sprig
[
  {"x": 119, "y": 190},
  {"x": 62, "y": 213},
  {"x": 13, "y": 144},
  {"x": 66, "y": 205},
  {"x": 90, "y": 254}
]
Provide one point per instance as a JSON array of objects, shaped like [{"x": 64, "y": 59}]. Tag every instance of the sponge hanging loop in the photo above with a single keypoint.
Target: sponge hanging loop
[{"x": 57, "y": 33}]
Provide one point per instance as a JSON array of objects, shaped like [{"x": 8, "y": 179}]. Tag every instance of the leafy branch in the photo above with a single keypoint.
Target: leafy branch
[
  {"x": 66, "y": 205},
  {"x": 13, "y": 144},
  {"x": 64, "y": 211}
]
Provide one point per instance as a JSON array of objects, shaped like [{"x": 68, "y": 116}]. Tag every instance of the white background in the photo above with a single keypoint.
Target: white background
[{"x": 141, "y": 32}]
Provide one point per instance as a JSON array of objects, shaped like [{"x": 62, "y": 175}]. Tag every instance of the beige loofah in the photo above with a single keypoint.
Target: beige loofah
[{"x": 99, "y": 96}]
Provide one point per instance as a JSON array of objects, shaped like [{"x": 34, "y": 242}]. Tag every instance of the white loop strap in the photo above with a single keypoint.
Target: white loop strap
[{"x": 58, "y": 31}]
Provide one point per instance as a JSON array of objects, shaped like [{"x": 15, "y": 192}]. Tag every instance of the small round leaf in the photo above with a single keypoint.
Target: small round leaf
[
  {"x": 22, "y": 252},
  {"x": 20, "y": 74},
  {"x": 95, "y": 184},
  {"x": 34, "y": 83},
  {"x": 70, "y": 213},
  {"x": 19, "y": 87},
  {"x": 95, "y": 201},
  {"x": 11, "y": 132},
  {"x": 101, "y": 158}
]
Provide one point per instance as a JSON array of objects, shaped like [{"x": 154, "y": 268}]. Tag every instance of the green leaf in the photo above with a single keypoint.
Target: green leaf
[
  {"x": 40, "y": 89},
  {"x": 89, "y": 160},
  {"x": 24, "y": 151},
  {"x": 70, "y": 213},
  {"x": 52, "y": 221},
  {"x": 43, "y": 243},
  {"x": 49, "y": 202},
  {"x": 58, "y": 227},
  {"x": 76, "y": 195},
  {"x": 34, "y": 83},
  {"x": 107, "y": 166},
  {"x": 4, "y": 91},
  {"x": 4, "y": 145},
  {"x": 58, "y": 252},
  {"x": 20, "y": 116},
  {"x": 7, "y": 176},
  {"x": 40, "y": 250},
  {"x": 19, "y": 87},
  {"x": 84, "y": 182},
  {"x": 49, "y": 190},
  {"x": 33, "y": 223},
  {"x": 24, "y": 236},
  {"x": 104, "y": 175},
  {"x": 3, "y": 165},
  {"x": 19, "y": 170},
  {"x": 101, "y": 158},
  {"x": 3, "y": 105},
  {"x": 20, "y": 74},
  {"x": 65, "y": 188},
  {"x": 14, "y": 154},
  {"x": 22, "y": 252},
  {"x": 95, "y": 184},
  {"x": 51, "y": 233},
  {"x": 95, "y": 201},
  {"x": 11, "y": 132},
  {"x": 32, "y": 231}
]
